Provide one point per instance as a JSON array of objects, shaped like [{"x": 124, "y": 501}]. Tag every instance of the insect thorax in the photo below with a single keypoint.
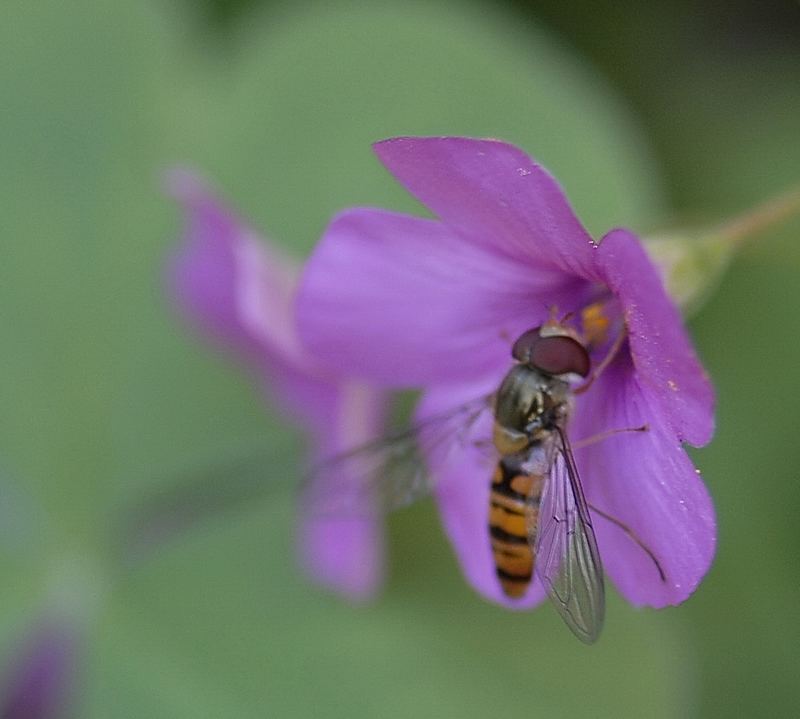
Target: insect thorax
[{"x": 528, "y": 407}]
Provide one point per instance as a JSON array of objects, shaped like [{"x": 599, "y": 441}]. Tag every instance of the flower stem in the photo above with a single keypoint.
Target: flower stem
[
  {"x": 736, "y": 232},
  {"x": 693, "y": 262}
]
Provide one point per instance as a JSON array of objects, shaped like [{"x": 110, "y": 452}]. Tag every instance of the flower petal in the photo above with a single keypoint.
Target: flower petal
[
  {"x": 647, "y": 481},
  {"x": 206, "y": 270},
  {"x": 345, "y": 552},
  {"x": 662, "y": 352},
  {"x": 495, "y": 196},
  {"x": 239, "y": 291},
  {"x": 40, "y": 683},
  {"x": 463, "y": 479},
  {"x": 404, "y": 302}
]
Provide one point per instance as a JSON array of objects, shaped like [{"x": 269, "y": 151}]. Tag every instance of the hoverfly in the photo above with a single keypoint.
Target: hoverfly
[{"x": 538, "y": 517}]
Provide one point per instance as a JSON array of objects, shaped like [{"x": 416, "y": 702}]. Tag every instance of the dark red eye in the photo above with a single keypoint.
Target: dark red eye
[{"x": 555, "y": 354}]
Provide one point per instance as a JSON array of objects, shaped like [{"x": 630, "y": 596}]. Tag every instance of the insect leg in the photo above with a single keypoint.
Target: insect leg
[
  {"x": 625, "y": 528},
  {"x": 602, "y": 436},
  {"x": 607, "y": 360}
]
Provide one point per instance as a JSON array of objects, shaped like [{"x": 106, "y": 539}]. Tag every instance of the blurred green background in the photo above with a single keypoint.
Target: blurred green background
[{"x": 649, "y": 114}]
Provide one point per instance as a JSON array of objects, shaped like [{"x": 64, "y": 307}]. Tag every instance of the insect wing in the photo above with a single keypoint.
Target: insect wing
[
  {"x": 567, "y": 559},
  {"x": 391, "y": 472}
]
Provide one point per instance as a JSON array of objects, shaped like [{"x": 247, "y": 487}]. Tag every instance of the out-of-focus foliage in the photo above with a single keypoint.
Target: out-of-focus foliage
[{"x": 105, "y": 398}]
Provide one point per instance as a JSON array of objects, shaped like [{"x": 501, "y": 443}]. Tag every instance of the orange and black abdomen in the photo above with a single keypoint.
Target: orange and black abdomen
[{"x": 513, "y": 508}]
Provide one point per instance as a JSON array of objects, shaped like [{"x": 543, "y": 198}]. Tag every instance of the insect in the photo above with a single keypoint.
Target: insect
[
  {"x": 538, "y": 515},
  {"x": 539, "y": 522}
]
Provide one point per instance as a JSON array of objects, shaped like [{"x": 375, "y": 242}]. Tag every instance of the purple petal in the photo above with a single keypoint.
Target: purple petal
[
  {"x": 494, "y": 196},
  {"x": 663, "y": 355},
  {"x": 404, "y": 302},
  {"x": 208, "y": 272},
  {"x": 647, "y": 481},
  {"x": 345, "y": 552},
  {"x": 239, "y": 292},
  {"x": 463, "y": 478},
  {"x": 38, "y": 684}
]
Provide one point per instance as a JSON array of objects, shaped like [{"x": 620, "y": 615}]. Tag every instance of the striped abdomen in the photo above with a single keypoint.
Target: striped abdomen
[{"x": 513, "y": 509}]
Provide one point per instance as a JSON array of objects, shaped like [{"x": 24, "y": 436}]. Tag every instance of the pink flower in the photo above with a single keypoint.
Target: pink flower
[
  {"x": 239, "y": 291},
  {"x": 401, "y": 301}
]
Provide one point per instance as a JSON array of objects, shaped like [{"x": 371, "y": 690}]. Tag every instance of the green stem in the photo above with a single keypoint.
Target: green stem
[{"x": 755, "y": 221}]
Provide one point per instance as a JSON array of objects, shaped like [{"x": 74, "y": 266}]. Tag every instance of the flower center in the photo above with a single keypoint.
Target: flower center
[{"x": 595, "y": 324}]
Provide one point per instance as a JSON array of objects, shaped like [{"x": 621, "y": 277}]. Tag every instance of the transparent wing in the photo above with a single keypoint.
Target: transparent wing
[
  {"x": 567, "y": 559},
  {"x": 391, "y": 472}
]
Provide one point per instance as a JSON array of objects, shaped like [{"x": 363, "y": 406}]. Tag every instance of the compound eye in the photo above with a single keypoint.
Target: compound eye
[
  {"x": 554, "y": 354},
  {"x": 560, "y": 355},
  {"x": 523, "y": 347}
]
